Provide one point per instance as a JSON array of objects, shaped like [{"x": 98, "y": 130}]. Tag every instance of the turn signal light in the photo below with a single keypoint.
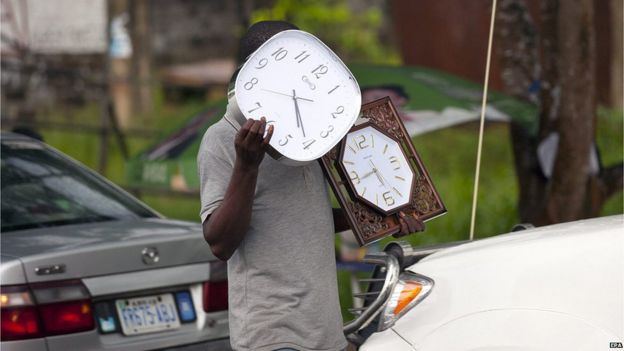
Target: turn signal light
[
  {"x": 410, "y": 291},
  {"x": 407, "y": 293}
]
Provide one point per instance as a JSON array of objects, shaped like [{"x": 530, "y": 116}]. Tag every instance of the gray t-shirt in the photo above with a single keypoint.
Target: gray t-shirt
[{"x": 282, "y": 278}]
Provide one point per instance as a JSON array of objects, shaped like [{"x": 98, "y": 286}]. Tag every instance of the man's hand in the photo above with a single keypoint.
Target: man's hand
[
  {"x": 250, "y": 143},
  {"x": 409, "y": 224}
]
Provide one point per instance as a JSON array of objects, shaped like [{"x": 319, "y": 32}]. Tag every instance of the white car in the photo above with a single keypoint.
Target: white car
[{"x": 558, "y": 287}]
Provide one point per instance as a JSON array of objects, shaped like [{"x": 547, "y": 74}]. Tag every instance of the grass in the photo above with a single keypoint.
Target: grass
[{"x": 449, "y": 156}]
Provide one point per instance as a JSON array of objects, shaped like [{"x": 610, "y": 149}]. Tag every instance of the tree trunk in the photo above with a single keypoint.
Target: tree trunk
[
  {"x": 142, "y": 57},
  {"x": 561, "y": 57},
  {"x": 576, "y": 118}
]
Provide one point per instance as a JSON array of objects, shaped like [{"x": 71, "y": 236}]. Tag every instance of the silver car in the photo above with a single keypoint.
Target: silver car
[{"x": 85, "y": 266}]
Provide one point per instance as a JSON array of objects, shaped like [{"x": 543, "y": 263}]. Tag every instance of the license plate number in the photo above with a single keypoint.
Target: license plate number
[{"x": 147, "y": 314}]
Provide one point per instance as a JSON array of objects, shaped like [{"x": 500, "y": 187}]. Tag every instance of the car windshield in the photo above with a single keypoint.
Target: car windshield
[{"x": 42, "y": 189}]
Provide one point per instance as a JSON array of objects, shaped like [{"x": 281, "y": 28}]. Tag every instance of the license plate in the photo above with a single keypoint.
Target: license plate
[{"x": 147, "y": 314}]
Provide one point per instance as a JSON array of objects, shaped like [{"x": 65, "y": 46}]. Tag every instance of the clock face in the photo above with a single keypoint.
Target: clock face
[
  {"x": 378, "y": 170},
  {"x": 303, "y": 89}
]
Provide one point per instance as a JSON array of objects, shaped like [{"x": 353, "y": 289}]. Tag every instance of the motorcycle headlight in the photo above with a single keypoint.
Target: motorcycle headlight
[{"x": 407, "y": 293}]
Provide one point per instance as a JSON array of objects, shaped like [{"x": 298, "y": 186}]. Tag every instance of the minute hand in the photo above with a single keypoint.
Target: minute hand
[{"x": 291, "y": 96}]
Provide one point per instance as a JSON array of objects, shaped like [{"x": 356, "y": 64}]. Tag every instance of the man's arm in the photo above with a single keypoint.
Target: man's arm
[
  {"x": 226, "y": 227},
  {"x": 340, "y": 220}
]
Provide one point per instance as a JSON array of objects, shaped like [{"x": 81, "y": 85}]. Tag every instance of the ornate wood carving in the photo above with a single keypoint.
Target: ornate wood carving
[{"x": 367, "y": 223}]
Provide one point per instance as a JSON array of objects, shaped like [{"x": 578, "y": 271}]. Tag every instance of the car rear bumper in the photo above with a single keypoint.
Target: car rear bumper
[{"x": 39, "y": 345}]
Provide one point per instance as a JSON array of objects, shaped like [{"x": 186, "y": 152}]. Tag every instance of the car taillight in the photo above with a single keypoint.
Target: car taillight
[
  {"x": 67, "y": 317},
  {"x": 215, "y": 291},
  {"x": 19, "y": 315},
  {"x": 215, "y": 296},
  {"x": 45, "y": 310}
]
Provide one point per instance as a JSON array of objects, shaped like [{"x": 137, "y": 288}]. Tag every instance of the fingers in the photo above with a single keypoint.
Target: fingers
[
  {"x": 267, "y": 139},
  {"x": 409, "y": 224},
  {"x": 254, "y": 130},
  {"x": 242, "y": 133},
  {"x": 414, "y": 223},
  {"x": 404, "y": 228}
]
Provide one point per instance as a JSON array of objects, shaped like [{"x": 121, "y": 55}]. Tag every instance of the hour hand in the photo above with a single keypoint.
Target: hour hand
[
  {"x": 298, "y": 113},
  {"x": 369, "y": 173},
  {"x": 376, "y": 171}
]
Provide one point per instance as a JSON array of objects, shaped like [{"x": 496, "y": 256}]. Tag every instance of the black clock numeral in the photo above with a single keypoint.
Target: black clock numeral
[
  {"x": 284, "y": 141},
  {"x": 319, "y": 71},
  {"x": 325, "y": 133},
  {"x": 253, "y": 109},
  {"x": 308, "y": 143},
  {"x": 339, "y": 110},
  {"x": 249, "y": 85},
  {"x": 280, "y": 54},
  {"x": 387, "y": 196},
  {"x": 361, "y": 144},
  {"x": 304, "y": 54},
  {"x": 262, "y": 63}
]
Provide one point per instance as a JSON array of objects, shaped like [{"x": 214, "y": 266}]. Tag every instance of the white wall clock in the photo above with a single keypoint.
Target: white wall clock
[
  {"x": 375, "y": 173},
  {"x": 304, "y": 90},
  {"x": 379, "y": 172}
]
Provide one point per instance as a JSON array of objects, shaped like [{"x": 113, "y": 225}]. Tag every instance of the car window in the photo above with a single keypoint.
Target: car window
[{"x": 42, "y": 189}]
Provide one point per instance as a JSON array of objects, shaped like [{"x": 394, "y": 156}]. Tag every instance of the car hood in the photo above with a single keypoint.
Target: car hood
[
  {"x": 94, "y": 249},
  {"x": 574, "y": 269},
  {"x": 555, "y": 234}
]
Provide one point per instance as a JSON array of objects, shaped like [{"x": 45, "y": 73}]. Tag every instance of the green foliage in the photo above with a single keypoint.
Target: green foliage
[
  {"x": 610, "y": 140},
  {"x": 609, "y": 136},
  {"x": 353, "y": 35}
]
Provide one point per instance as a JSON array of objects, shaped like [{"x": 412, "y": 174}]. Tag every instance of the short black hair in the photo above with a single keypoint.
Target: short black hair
[{"x": 258, "y": 33}]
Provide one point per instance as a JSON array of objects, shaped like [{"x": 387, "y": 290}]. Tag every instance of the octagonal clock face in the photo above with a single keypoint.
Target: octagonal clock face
[
  {"x": 303, "y": 89},
  {"x": 378, "y": 170}
]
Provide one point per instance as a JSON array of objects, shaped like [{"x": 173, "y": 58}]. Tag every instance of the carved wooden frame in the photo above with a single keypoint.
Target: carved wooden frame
[{"x": 368, "y": 223}]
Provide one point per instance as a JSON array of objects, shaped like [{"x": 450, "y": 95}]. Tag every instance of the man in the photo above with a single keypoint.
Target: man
[{"x": 274, "y": 225}]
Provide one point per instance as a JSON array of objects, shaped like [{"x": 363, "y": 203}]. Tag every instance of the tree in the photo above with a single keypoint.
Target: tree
[
  {"x": 555, "y": 68},
  {"x": 353, "y": 34}
]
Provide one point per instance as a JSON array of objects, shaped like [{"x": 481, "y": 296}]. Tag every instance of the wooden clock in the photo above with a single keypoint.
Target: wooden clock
[{"x": 376, "y": 172}]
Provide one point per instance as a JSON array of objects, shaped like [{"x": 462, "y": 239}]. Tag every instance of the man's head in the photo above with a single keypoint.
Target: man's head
[{"x": 258, "y": 33}]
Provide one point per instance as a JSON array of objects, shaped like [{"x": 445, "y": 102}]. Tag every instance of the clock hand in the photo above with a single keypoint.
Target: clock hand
[
  {"x": 296, "y": 97},
  {"x": 377, "y": 173},
  {"x": 299, "y": 120},
  {"x": 383, "y": 179},
  {"x": 296, "y": 110},
  {"x": 369, "y": 173}
]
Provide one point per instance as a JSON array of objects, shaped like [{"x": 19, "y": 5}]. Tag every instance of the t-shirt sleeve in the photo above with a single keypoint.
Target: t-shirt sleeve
[{"x": 214, "y": 172}]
